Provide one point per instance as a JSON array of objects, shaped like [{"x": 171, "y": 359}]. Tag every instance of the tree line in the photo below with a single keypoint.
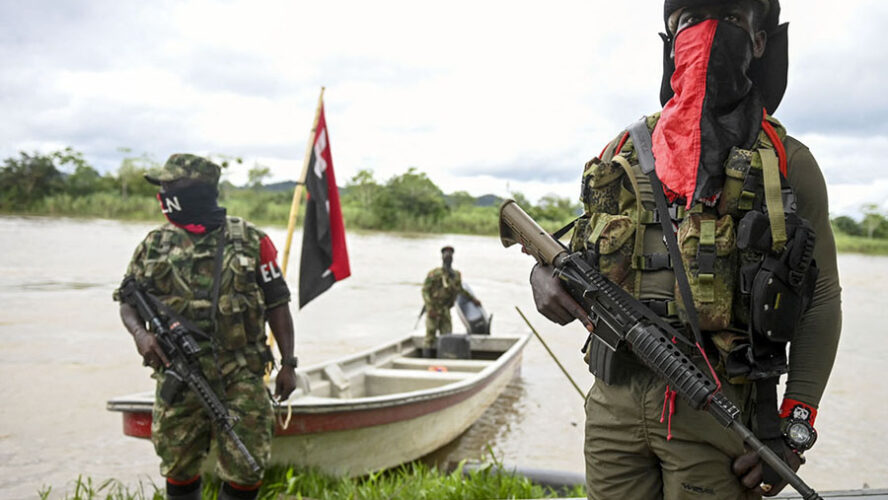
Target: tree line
[{"x": 64, "y": 183}]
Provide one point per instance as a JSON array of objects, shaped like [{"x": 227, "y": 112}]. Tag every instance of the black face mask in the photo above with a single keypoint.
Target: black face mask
[
  {"x": 192, "y": 208},
  {"x": 715, "y": 107}
]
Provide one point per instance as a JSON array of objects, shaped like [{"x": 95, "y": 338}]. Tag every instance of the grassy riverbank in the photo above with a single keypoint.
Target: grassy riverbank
[
  {"x": 410, "y": 481},
  {"x": 266, "y": 208}
]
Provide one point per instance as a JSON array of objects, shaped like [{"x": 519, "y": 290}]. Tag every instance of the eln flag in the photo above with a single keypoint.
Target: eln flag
[{"x": 324, "y": 256}]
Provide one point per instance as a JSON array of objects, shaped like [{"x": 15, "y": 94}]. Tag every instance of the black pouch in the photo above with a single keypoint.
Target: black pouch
[{"x": 172, "y": 387}]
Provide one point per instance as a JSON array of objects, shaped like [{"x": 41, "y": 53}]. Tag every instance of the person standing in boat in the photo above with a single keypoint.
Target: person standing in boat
[
  {"x": 747, "y": 204},
  {"x": 199, "y": 259},
  {"x": 439, "y": 291}
]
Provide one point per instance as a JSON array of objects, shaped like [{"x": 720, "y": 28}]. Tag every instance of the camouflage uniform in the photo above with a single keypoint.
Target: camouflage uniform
[
  {"x": 439, "y": 292},
  {"x": 634, "y": 446},
  {"x": 178, "y": 266}
]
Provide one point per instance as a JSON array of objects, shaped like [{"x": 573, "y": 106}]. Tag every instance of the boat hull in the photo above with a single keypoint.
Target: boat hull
[{"x": 376, "y": 409}]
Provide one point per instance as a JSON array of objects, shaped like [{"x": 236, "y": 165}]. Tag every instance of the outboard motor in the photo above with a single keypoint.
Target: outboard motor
[{"x": 475, "y": 318}]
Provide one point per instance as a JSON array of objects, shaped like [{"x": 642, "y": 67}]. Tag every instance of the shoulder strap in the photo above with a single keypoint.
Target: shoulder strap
[
  {"x": 641, "y": 137},
  {"x": 237, "y": 231},
  {"x": 217, "y": 272}
]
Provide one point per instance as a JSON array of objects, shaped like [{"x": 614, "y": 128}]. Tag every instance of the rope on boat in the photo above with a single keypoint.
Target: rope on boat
[{"x": 554, "y": 358}]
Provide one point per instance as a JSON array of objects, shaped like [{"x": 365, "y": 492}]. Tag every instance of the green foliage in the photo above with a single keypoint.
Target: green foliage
[
  {"x": 861, "y": 244},
  {"x": 408, "y": 200},
  {"x": 27, "y": 179},
  {"x": 257, "y": 174},
  {"x": 846, "y": 225},
  {"x": 131, "y": 175}
]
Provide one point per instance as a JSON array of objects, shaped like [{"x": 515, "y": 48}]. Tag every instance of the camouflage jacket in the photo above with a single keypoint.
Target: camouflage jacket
[
  {"x": 178, "y": 267},
  {"x": 439, "y": 290}
]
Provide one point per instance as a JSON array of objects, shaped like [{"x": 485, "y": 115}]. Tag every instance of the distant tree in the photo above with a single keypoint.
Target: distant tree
[
  {"x": 131, "y": 174},
  {"x": 363, "y": 189},
  {"x": 411, "y": 195},
  {"x": 873, "y": 220},
  {"x": 556, "y": 208},
  {"x": 459, "y": 199},
  {"x": 28, "y": 179},
  {"x": 257, "y": 174},
  {"x": 847, "y": 225}
]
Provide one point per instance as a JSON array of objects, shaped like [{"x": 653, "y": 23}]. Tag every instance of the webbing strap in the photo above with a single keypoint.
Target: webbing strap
[
  {"x": 774, "y": 199},
  {"x": 641, "y": 138},
  {"x": 217, "y": 278}
]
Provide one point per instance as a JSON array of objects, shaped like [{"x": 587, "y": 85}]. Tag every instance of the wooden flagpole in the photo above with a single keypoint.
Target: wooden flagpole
[{"x": 297, "y": 195}]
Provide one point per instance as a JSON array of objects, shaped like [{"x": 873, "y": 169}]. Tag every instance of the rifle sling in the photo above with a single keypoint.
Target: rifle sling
[{"x": 641, "y": 138}]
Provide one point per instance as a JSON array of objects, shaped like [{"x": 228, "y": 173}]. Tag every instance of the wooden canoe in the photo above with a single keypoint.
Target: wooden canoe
[{"x": 375, "y": 409}]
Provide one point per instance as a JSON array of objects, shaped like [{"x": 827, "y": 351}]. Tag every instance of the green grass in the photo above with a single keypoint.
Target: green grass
[
  {"x": 411, "y": 481},
  {"x": 860, "y": 244}
]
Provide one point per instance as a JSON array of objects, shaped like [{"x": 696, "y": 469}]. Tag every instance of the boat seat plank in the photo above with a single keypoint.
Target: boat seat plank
[
  {"x": 459, "y": 365},
  {"x": 379, "y": 381}
]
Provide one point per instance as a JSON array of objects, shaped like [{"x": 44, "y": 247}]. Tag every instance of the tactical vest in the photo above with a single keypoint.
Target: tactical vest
[
  {"x": 727, "y": 249},
  {"x": 180, "y": 269}
]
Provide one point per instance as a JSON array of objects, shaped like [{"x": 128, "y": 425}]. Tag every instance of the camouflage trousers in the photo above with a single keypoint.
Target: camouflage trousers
[
  {"x": 629, "y": 453},
  {"x": 183, "y": 432},
  {"x": 437, "y": 321}
]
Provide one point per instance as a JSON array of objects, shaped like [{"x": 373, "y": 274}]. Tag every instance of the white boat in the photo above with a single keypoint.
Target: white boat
[{"x": 375, "y": 409}]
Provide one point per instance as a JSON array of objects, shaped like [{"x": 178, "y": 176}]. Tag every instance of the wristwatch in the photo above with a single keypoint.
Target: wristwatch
[
  {"x": 292, "y": 361},
  {"x": 799, "y": 434}
]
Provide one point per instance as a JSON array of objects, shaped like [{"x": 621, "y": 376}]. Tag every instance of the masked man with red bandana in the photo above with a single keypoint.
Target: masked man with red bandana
[
  {"x": 219, "y": 274},
  {"x": 727, "y": 237}
]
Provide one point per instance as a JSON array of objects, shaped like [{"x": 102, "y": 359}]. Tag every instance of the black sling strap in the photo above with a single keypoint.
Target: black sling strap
[{"x": 641, "y": 138}]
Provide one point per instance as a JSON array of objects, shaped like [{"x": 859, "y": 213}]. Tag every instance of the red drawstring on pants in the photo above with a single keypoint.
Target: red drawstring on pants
[{"x": 668, "y": 401}]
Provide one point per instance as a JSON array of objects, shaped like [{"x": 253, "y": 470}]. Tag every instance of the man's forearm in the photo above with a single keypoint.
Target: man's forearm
[
  {"x": 131, "y": 320},
  {"x": 281, "y": 323}
]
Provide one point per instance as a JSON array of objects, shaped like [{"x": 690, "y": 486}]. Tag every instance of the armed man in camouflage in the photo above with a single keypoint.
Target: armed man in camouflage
[
  {"x": 220, "y": 274},
  {"x": 439, "y": 292},
  {"x": 716, "y": 173}
]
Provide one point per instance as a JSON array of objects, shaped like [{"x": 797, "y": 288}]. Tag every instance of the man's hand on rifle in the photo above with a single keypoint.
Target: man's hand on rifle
[
  {"x": 146, "y": 343},
  {"x": 553, "y": 301},
  {"x": 152, "y": 354},
  {"x": 748, "y": 467}
]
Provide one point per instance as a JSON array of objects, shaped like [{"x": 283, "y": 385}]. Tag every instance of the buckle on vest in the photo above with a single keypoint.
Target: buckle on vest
[{"x": 654, "y": 262}]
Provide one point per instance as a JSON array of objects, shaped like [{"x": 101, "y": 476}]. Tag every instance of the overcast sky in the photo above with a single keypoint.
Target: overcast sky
[{"x": 484, "y": 96}]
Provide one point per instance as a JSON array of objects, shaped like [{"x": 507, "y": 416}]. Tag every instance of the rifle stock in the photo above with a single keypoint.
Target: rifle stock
[{"x": 620, "y": 318}]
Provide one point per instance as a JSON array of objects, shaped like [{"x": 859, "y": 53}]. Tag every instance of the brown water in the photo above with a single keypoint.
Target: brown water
[{"x": 63, "y": 353}]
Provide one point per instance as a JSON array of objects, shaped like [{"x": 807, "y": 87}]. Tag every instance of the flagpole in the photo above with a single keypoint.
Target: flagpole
[{"x": 297, "y": 194}]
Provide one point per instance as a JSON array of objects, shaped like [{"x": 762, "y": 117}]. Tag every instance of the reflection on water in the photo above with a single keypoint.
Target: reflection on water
[
  {"x": 63, "y": 353},
  {"x": 477, "y": 442}
]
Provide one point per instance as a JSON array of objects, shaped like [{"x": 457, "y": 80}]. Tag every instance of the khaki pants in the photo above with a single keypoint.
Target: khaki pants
[{"x": 628, "y": 455}]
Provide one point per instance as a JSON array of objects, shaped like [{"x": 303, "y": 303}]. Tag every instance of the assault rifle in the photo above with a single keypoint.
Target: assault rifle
[
  {"x": 182, "y": 350},
  {"x": 620, "y": 318}
]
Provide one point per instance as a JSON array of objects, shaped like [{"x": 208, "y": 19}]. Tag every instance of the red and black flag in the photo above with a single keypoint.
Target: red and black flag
[{"x": 324, "y": 255}]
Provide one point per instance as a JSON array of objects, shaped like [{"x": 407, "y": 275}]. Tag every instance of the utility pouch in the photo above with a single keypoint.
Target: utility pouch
[
  {"x": 172, "y": 387},
  {"x": 783, "y": 284},
  {"x": 707, "y": 247}
]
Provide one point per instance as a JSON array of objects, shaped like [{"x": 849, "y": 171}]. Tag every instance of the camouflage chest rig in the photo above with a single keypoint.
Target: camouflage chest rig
[
  {"x": 748, "y": 258},
  {"x": 180, "y": 268}
]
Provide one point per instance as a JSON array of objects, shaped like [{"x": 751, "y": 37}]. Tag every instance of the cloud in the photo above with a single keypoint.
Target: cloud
[{"x": 476, "y": 94}]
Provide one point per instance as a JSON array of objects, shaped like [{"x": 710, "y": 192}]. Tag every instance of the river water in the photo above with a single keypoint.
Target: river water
[{"x": 63, "y": 353}]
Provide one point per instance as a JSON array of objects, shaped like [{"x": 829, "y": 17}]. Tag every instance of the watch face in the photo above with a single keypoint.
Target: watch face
[{"x": 800, "y": 434}]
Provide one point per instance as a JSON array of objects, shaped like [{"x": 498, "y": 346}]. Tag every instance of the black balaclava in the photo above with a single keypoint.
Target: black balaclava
[
  {"x": 768, "y": 73},
  {"x": 715, "y": 107},
  {"x": 193, "y": 208}
]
